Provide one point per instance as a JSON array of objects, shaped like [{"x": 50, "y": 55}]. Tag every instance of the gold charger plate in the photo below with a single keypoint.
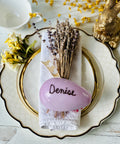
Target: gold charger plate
[{"x": 98, "y": 82}]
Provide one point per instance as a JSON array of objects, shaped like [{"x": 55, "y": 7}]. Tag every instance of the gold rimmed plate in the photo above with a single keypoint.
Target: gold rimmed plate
[
  {"x": 27, "y": 88},
  {"x": 20, "y": 89}
]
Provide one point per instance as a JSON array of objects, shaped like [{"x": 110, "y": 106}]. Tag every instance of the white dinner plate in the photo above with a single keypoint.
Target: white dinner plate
[{"x": 100, "y": 75}]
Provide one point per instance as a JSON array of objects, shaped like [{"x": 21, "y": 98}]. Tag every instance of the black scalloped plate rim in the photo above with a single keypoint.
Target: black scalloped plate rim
[{"x": 96, "y": 126}]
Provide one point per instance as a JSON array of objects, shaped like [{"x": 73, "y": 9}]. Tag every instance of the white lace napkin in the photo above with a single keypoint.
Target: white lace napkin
[{"x": 71, "y": 121}]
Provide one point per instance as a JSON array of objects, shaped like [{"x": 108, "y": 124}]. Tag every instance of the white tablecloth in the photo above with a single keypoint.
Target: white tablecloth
[{"x": 12, "y": 133}]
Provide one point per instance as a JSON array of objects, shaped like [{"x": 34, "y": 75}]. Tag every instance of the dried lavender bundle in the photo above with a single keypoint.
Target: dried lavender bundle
[{"x": 63, "y": 43}]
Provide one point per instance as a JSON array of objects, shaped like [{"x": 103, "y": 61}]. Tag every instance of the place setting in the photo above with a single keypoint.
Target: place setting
[{"x": 60, "y": 80}]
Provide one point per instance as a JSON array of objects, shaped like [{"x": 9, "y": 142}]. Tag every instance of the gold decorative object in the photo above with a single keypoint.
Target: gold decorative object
[
  {"x": 107, "y": 28},
  {"x": 50, "y": 68}
]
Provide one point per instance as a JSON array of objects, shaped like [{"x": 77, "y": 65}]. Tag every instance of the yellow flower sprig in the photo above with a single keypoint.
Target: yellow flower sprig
[
  {"x": 19, "y": 50},
  {"x": 35, "y": 1},
  {"x": 76, "y": 22},
  {"x": 86, "y": 19},
  {"x": 51, "y": 2},
  {"x": 32, "y": 15},
  {"x": 86, "y": 5}
]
